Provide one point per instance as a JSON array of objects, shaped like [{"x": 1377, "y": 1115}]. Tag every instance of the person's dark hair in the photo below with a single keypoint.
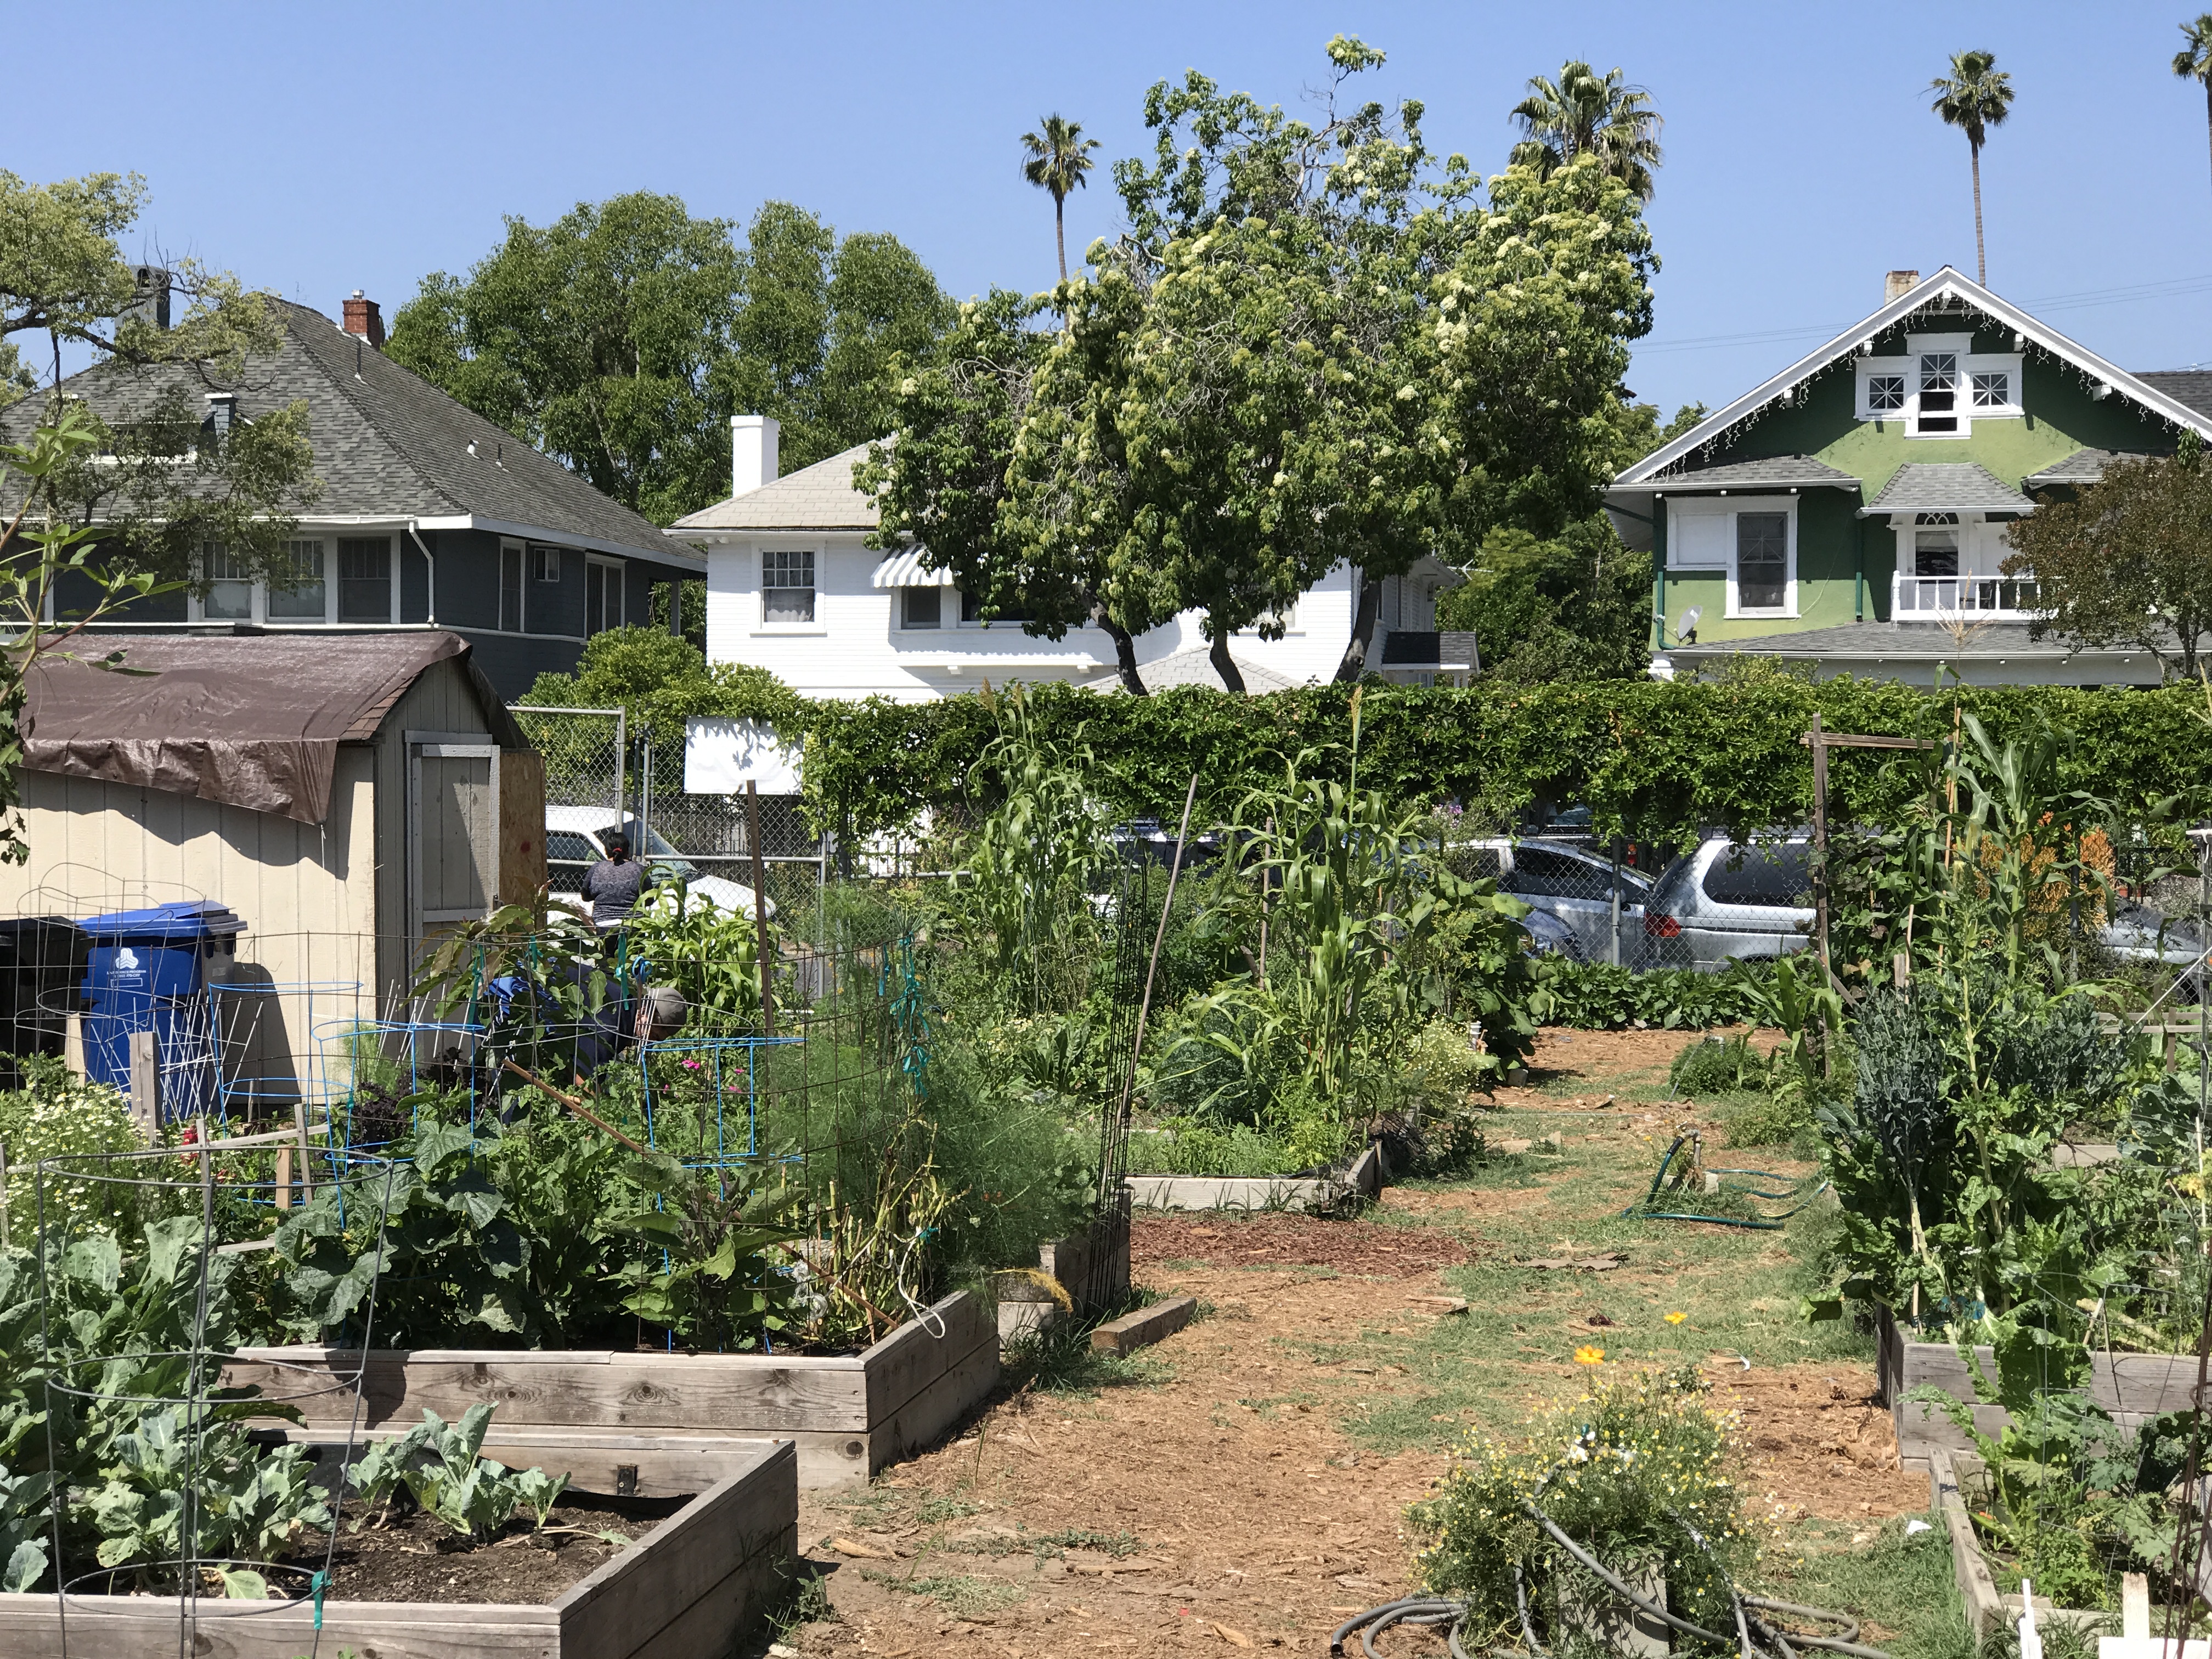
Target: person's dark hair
[{"x": 617, "y": 841}]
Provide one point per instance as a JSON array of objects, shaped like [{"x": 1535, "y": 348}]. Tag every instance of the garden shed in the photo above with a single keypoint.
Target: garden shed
[{"x": 345, "y": 798}]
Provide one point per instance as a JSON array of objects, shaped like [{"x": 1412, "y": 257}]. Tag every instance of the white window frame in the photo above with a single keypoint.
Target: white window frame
[
  {"x": 520, "y": 554},
  {"x": 262, "y": 615},
  {"x": 195, "y": 606},
  {"x": 899, "y": 624},
  {"x": 593, "y": 564},
  {"x": 762, "y": 624},
  {"x": 333, "y": 577},
  {"x": 544, "y": 556},
  {"x": 1728, "y": 508},
  {"x": 1907, "y": 365}
]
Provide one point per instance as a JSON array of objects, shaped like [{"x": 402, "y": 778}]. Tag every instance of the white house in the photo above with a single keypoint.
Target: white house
[{"x": 792, "y": 586}]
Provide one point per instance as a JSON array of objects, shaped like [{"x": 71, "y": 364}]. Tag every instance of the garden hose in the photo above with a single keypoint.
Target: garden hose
[
  {"x": 1755, "y": 1636},
  {"x": 1644, "y": 1210}
]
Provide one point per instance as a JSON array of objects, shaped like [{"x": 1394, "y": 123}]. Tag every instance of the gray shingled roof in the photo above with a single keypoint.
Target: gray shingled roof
[
  {"x": 2083, "y": 466},
  {"x": 389, "y": 444},
  {"x": 1947, "y": 487},
  {"x": 1773, "y": 472},
  {"x": 1196, "y": 668},
  {"x": 2192, "y": 387},
  {"x": 816, "y": 497}
]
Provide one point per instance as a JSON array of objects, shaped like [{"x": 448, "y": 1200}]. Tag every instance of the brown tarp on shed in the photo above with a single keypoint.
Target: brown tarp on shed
[{"x": 251, "y": 720}]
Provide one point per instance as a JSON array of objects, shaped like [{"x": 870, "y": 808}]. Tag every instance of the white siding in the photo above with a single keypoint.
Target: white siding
[{"x": 854, "y": 648}]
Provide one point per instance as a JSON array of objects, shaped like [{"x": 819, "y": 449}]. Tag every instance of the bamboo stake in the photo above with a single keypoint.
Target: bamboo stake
[
  {"x": 1151, "y": 969},
  {"x": 574, "y": 1105},
  {"x": 759, "y": 910}
]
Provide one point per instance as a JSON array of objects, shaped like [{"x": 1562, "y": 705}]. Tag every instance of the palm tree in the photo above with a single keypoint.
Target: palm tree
[
  {"x": 1974, "y": 97},
  {"x": 1584, "y": 112},
  {"x": 2195, "y": 63},
  {"x": 1060, "y": 157}
]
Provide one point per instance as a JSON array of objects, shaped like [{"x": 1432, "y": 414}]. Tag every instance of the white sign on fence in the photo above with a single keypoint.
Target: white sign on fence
[{"x": 719, "y": 756}]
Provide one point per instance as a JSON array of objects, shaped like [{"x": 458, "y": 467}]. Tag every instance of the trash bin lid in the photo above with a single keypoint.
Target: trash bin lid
[{"x": 185, "y": 919}]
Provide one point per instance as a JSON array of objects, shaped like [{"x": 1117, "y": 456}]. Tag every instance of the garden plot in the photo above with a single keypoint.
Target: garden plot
[
  {"x": 650, "y": 1413},
  {"x": 1251, "y": 1471},
  {"x": 690, "y": 1585}
]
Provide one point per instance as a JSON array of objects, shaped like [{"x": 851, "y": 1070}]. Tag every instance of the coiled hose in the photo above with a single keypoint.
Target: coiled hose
[{"x": 1754, "y": 1638}]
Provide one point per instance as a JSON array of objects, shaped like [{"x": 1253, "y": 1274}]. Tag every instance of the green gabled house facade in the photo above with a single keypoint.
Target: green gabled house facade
[{"x": 1850, "y": 512}]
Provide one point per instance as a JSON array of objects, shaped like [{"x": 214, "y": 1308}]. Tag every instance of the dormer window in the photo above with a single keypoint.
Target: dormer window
[
  {"x": 1939, "y": 392},
  {"x": 1938, "y": 386}
]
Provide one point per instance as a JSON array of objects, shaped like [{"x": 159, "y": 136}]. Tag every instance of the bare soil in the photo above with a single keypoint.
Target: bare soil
[
  {"x": 1223, "y": 1501},
  {"x": 413, "y": 1558}
]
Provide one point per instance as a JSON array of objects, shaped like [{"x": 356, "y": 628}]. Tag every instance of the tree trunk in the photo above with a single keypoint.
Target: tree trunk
[
  {"x": 1060, "y": 232},
  {"x": 1224, "y": 664},
  {"x": 1981, "y": 259},
  {"x": 1354, "y": 662},
  {"x": 2207, "y": 106},
  {"x": 1125, "y": 652}
]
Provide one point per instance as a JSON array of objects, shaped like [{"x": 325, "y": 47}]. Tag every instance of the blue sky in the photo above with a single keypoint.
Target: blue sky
[{"x": 315, "y": 149}]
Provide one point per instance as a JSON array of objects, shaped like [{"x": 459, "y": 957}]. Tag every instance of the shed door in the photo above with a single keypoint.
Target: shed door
[{"x": 452, "y": 828}]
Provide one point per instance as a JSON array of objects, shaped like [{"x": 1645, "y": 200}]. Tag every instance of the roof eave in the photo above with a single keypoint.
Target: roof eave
[{"x": 695, "y": 563}]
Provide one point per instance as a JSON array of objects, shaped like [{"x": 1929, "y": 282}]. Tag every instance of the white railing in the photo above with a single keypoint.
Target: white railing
[{"x": 1940, "y": 598}]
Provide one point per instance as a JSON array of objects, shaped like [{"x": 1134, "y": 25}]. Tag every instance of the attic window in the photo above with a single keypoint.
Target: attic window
[
  {"x": 1992, "y": 390},
  {"x": 1939, "y": 392},
  {"x": 1885, "y": 392}
]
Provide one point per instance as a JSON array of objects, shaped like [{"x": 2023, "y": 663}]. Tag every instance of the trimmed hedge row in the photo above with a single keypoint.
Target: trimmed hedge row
[{"x": 1655, "y": 763}]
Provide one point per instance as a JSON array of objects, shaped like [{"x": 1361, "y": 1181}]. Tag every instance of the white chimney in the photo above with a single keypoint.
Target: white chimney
[{"x": 752, "y": 451}]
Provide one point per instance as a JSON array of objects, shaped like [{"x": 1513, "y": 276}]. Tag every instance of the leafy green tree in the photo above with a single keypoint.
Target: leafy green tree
[
  {"x": 1585, "y": 113},
  {"x": 944, "y": 485},
  {"x": 1312, "y": 348},
  {"x": 154, "y": 471},
  {"x": 1975, "y": 96},
  {"x": 2194, "y": 61},
  {"x": 622, "y": 336},
  {"x": 1576, "y": 606},
  {"x": 1058, "y": 161},
  {"x": 2129, "y": 560},
  {"x": 663, "y": 681}
]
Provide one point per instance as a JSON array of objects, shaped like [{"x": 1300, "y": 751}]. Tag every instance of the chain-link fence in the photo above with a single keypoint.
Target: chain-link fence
[{"x": 602, "y": 772}]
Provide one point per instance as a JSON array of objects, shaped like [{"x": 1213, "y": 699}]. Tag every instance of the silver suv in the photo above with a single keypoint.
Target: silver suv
[
  {"x": 1725, "y": 901},
  {"x": 1571, "y": 888}
]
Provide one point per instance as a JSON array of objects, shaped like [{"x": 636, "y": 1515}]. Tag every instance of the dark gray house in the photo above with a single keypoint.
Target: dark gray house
[{"x": 430, "y": 517}]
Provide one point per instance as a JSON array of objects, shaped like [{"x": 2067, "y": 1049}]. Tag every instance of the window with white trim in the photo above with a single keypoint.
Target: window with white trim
[
  {"x": 922, "y": 607},
  {"x": 603, "y": 595},
  {"x": 786, "y": 585},
  {"x": 365, "y": 579},
  {"x": 1751, "y": 541},
  {"x": 510, "y": 587},
  {"x": 230, "y": 595},
  {"x": 303, "y": 594},
  {"x": 545, "y": 563},
  {"x": 1938, "y": 386}
]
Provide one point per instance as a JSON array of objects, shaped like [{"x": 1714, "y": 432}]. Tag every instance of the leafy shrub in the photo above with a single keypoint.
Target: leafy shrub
[
  {"x": 55, "y": 1113},
  {"x": 1707, "y": 1067},
  {"x": 1596, "y": 996},
  {"x": 1627, "y": 1470}
]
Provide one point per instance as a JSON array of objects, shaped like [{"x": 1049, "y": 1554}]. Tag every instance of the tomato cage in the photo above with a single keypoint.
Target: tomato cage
[{"x": 169, "y": 1472}]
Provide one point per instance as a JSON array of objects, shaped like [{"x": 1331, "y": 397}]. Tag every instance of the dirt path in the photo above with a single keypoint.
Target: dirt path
[{"x": 1246, "y": 1485}]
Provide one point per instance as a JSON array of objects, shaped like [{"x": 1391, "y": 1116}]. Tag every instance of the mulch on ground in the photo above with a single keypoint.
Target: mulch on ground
[
  {"x": 1221, "y": 1239},
  {"x": 412, "y": 1557}
]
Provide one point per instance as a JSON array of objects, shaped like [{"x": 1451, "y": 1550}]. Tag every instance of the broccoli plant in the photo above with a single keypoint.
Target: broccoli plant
[{"x": 472, "y": 1496}]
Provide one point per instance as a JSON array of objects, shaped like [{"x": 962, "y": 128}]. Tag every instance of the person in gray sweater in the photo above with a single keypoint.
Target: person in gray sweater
[{"x": 612, "y": 885}]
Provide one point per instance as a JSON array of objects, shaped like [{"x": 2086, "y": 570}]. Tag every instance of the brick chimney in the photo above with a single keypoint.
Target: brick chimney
[
  {"x": 754, "y": 441},
  {"x": 1895, "y": 286},
  {"x": 362, "y": 317}
]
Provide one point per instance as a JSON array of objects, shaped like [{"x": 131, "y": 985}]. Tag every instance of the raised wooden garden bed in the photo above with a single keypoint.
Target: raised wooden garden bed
[
  {"x": 2131, "y": 1387},
  {"x": 687, "y": 1591},
  {"x": 1987, "y": 1607},
  {"x": 1366, "y": 1176},
  {"x": 1092, "y": 1266},
  {"x": 849, "y": 1415}
]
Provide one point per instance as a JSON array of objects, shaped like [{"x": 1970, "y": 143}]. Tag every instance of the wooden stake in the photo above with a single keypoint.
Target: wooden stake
[
  {"x": 576, "y": 1106},
  {"x": 284, "y": 1177},
  {"x": 760, "y": 911}
]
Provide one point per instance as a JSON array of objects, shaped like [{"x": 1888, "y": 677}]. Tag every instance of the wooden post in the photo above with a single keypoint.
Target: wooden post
[
  {"x": 1820, "y": 744},
  {"x": 146, "y": 1083},
  {"x": 284, "y": 1177},
  {"x": 759, "y": 910}
]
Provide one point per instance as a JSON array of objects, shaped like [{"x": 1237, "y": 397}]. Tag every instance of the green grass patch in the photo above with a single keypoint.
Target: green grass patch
[
  {"x": 1060, "y": 1360},
  {"x": 1900, "y": 1588},
  {"x": 957, "y": 1593}
]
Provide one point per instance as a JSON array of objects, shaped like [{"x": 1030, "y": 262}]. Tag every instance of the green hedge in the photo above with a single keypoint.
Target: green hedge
[{"x": 1654, "y": 761}]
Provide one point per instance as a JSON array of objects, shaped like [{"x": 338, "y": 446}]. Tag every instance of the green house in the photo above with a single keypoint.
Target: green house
[{"x": 1851, "y": 511}]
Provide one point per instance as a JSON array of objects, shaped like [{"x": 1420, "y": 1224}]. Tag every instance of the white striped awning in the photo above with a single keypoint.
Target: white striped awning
[{"x": 905, "y": 569}]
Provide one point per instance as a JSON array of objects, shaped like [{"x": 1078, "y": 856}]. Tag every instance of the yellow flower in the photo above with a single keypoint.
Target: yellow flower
[
  {"x": 1676, "y": 1318},
  {"x": 1587, "y": 1355}
]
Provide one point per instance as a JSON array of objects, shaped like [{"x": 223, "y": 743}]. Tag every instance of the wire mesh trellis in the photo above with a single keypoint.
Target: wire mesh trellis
[{"x": 160, "y": 1483}]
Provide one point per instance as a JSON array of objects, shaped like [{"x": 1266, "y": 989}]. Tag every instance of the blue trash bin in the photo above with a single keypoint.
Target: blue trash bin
[{"x": 149, "y": 971}]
